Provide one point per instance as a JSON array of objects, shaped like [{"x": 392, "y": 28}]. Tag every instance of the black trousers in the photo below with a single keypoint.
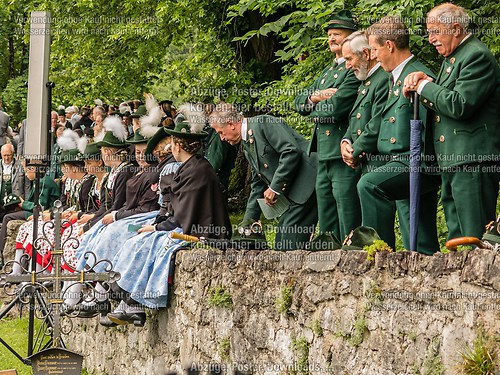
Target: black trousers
[{"x": 19, "y": 215}]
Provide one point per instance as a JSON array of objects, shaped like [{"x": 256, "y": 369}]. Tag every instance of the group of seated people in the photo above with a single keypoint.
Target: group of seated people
[{"x": 122, "y": 210}]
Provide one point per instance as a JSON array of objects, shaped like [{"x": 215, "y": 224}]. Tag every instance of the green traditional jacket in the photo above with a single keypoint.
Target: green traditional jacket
[
  {"x": 331, "y": 116},
  {"x": 466, "y": 101},
  {"x": 389, "y": 135},
  {"x": 277, "y": 155},
  {"x": 372, "y": 96},
  {"x": 49, "y": 193},
  {"x": 221, "y": 156}
]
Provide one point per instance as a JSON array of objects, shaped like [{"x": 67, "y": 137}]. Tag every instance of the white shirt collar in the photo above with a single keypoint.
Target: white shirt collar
[
  {"x": 373, "y": 70},
  {"x": 466, "y": 37},
  {"x": 7, "y": 168},
  {"x": 399, "y": 69},
  {"x": 244, "y": 127},
  {"x": 340, "y": 60}
]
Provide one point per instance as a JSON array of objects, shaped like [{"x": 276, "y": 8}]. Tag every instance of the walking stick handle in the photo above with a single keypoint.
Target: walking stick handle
[
  {"x": 184, "y": 237},
  {"x": 455, "y": 242}
]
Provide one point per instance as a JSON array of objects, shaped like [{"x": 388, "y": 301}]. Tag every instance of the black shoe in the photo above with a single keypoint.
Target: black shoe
[
  {"x": 106, "y": 322},
  {"x": 122, "y": 318},
  {"x": 89, "y": 311}
]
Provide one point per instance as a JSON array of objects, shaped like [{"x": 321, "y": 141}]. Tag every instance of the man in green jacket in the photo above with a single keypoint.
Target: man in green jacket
[
  {"x": 465, "y": 99},
  {"x": 389, "y": 135},
  {"x": 280, "y": 168},
  {"x": 328, "y": 103},
  {"x": 371, "y": 99},
  {"x": 49, "y": 193}
]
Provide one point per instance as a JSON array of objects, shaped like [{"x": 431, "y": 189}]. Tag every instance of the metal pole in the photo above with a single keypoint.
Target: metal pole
[
  {"x": 34, "y": 252},
  {"x": 50, "y": 138}
]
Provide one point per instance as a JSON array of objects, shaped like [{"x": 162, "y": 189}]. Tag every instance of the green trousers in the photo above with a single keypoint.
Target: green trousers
[
  {"x": 469, "y": 196},
  {"x": 297, "y": 225},
  {"x": 380, "y": 188},
  {"x": 339, "y": 210}
]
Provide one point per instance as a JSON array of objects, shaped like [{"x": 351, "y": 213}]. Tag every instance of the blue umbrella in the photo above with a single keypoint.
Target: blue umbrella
[{"x": 415, "y": 159}]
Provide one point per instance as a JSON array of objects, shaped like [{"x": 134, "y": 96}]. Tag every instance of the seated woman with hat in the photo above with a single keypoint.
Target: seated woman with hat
[{"x": 196, "y": 206}]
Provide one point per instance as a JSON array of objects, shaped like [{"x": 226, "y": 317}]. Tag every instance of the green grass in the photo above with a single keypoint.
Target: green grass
[
  {"x": 481, "y": 358},
  {"x": 15, "y": 333},
  {"x": 219, "y": 297}
]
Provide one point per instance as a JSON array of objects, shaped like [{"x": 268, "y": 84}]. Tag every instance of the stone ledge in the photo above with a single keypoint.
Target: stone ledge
[{"x": 392, "y": 316}]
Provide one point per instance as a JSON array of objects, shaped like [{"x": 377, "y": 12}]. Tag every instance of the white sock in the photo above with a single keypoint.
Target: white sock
[
  {"x": 98, "y": 294},
  {"x": 72, "y": 292},
  {"x": 101, "y": 293},
  {"x": 16, "y": 268}
]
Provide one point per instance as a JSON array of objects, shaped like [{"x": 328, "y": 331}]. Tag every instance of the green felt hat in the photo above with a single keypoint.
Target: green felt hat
[
  {"x": 92, "y": 151},
  {"x": 183, "y": 130},
  {"x": 110, "y": 140},
  {"x": 141, "y": 111},
  {"x": 115, "y": 135},
  {"x": 71, "y": 156},
  {"x": 152, "y": 142},
  {"x": 10, "y": 200},
  {"x": 61, "y": 112},
  {"x": 322, "y": 242},
  {"x": 136, "y": 138},
  {"x": 360, "y": 237},
  {"x": 342, "y": 20}
]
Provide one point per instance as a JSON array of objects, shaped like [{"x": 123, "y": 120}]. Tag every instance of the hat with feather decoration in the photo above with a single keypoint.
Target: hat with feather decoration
[
  {"x": 89, "y": 149},
  {"x": 68, "y": 142},
  {"x": 189, "y": 122},
  {"x": 191, "y": 118},
  {"x": 116, "y": 133}
]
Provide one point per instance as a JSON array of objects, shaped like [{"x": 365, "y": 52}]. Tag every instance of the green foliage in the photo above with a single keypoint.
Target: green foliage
[
  {"x": 219, "y": 297},
  {"x": 225, "y": 349},
  {"x": 481, "y": 358},
  {"x": 14, "y": 99},
  {"x": 15, "y": 332},
  {"x": 284, "y": 301},
  {"x": 378, "y": 245},
  {"x": 316, "y": 328},
  {"x": 432, "y": 364},
  {"x": 300, "y": 348},
  {"x": 358, "y": 331}
]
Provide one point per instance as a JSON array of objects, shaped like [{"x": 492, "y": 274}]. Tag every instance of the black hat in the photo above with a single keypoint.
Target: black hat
[{"x": 343, "y": 20}]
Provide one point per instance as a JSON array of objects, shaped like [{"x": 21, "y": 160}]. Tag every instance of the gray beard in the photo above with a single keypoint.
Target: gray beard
[{"x": 363, "y": 71}]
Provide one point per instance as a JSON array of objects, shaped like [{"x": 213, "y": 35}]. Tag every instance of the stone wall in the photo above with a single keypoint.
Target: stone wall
[{"x": 300, "y": 312}]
